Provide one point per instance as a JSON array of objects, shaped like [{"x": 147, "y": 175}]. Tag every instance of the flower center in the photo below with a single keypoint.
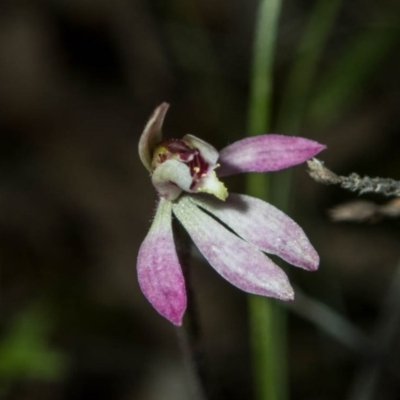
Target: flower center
[
  {"x": 177, "y": 149},
  {"x": 187, "y": 164}
]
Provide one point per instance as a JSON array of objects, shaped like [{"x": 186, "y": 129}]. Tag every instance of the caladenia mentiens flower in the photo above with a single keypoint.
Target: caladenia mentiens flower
[{"x": 185, "y": 173}]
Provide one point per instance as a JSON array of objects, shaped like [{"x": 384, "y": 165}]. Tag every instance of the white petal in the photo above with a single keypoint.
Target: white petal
[
  {"x": 170, "y": 178},
  {"x": 152, "y": 135}
]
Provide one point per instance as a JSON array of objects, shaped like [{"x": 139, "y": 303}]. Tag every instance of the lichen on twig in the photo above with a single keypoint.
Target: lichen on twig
[
  {"x": 354, "y": 182},
  {"x": 358, "y": 210}
]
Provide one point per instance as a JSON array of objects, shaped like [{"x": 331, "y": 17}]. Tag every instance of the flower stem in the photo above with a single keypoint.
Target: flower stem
[
  {"x": 265, "y": 317},
  {"x": 268, "y": 319},
  {"x": 193, "y": 362},
  {"x": 190, "y": 335}
]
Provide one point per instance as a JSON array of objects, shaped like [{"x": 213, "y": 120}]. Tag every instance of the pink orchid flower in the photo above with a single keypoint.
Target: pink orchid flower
[{"x": 185, "y": 173}]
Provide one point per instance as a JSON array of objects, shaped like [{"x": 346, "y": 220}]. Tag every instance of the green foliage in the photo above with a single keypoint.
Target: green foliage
[
  {"x": 350, "y": 76},
  {"x": 25, "y": 352}
]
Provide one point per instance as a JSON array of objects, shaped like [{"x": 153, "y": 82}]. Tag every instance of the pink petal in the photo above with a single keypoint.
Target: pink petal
[
  {"x": 266, "y": 153},
  {"x": 237, "y": 261},
  {"x": 159, "y": 272},
  {"x": 152, "y": 135},
  {"x": 264, "y": 226}
]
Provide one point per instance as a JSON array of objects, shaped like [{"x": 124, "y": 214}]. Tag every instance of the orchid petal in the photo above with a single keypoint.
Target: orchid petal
[
  {"x": 159, "y": 272},
  {"x": 266, "y": 153},
  {"x": 208, "y": 152},
  {"x": 170, "y": 178},
  {"x": 237, "y": 261},
  {"x": 264, "y": 226},
  {"x": 152, "y": 135}
]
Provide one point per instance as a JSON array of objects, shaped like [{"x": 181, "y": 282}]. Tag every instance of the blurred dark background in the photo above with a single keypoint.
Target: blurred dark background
[{"x": 78, "y": 80}]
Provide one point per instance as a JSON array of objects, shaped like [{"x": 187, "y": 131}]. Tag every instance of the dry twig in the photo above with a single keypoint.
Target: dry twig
[{"x": 359, "y": 210}]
